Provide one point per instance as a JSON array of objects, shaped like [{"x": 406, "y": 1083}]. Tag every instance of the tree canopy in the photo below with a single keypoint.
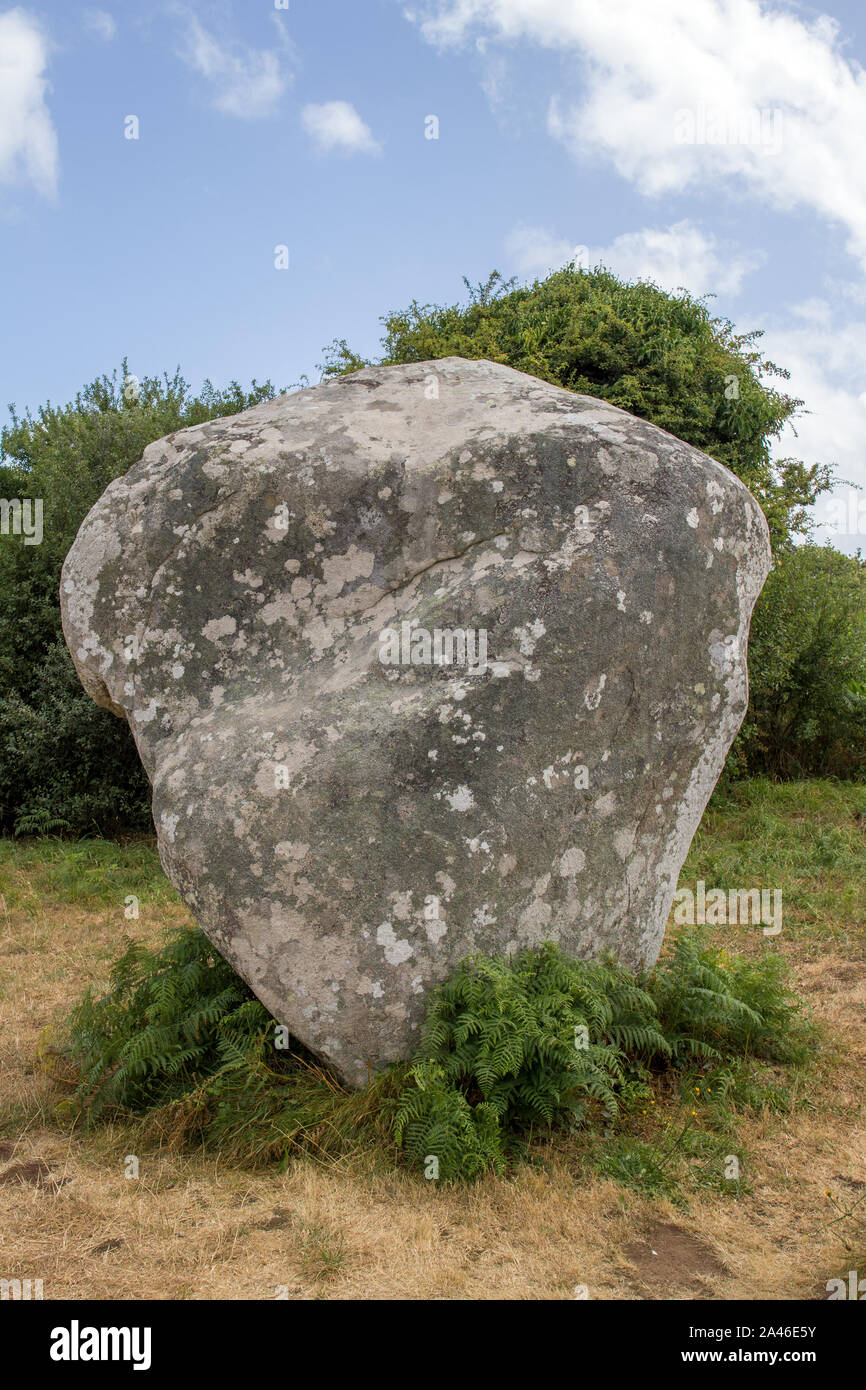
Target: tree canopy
[{"x": 661, "y": 356}]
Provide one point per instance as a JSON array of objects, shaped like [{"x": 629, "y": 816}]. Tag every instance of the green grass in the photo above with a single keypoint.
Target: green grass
[
  {"x": 323, "y": 1252},
  {"x": 89, "y": 874},
  {"x": 676, "y": 1161},
  {"x": 806, "y": 838}
]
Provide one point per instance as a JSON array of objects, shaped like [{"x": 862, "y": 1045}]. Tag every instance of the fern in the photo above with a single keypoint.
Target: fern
[
  {"x": 179, "y": 1039},
  {"x": 531, "y": 1041},
  {"x": 714, "y": 1006},
  {"x": 510, "y": 1047}
]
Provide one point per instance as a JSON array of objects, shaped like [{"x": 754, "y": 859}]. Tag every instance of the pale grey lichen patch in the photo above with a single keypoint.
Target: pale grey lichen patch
[
  {"x": 345, "y": 831},
  {"x": 396, "y": 951},
  {"x": 572, "y": 862}
]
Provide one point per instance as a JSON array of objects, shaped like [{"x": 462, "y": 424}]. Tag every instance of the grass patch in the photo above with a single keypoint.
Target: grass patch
[
  {"x": 323, "y": 1252},
  {"x": 806, "y": 838},
  {"x": 84, "y": 873}
]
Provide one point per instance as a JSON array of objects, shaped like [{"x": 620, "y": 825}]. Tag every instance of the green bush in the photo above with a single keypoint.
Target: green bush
[
  {"x": 65, "y": 764},
  {"x": 535, "y": 1044},
  {"x": 661, "y": 356},
  {"x": 181, "y": 1039},
  {"x": 714, "y": 1007},
  {"x": 807, "y": 669}
]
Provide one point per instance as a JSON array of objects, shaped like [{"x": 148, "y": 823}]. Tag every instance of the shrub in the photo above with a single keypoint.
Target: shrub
[
  {"x": 180, "y": 1038},
  {"x": 807, "y": 669},
  {"x": 713, "y": 1006},
  {"x": 65, "y": 764},
  {"x": 540, "y": 1039}
]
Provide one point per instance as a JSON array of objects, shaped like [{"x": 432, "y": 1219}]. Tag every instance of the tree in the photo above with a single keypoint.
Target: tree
[
  {"x": 661, "y": 356},
  {"x": 64, "y": 763},
  {"x": 807, "y": 669}
]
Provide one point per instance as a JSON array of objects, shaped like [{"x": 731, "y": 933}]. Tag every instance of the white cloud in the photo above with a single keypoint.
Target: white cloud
[
  {"x": 336, "y": 125},
  {"x": 100, "y": 23},
  {"x": 247, "y": 82},
  {"x": 827, "y": 362},
  {"x": 28, "y": 141},
  {"x": 643, "y": 65},
  {"x": 535, "y": 250},
  {"x": 679, "y": 256}
]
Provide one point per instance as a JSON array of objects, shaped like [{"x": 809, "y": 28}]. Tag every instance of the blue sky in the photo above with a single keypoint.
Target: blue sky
[{"x": 627, "y": 129}]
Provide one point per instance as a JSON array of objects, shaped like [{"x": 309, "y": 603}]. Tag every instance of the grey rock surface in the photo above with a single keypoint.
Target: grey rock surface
[{"x": 345, "y": 827}]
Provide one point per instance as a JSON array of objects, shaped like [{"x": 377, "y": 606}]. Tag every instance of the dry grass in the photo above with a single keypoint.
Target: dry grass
[{"x": 193, "y": 1227}]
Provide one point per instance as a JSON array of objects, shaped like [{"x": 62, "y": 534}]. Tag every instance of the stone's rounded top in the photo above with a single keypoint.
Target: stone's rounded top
[
  {"x": 423, "y": 409},
  {"x": 421, "y": 661}
]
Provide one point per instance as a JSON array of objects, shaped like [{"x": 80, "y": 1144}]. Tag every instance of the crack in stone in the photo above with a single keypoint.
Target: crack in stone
[{"x": 425, "y": 569}]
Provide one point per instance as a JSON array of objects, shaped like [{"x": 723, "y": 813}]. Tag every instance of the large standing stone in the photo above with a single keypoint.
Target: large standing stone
[{"x": 346, "y": 830}]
